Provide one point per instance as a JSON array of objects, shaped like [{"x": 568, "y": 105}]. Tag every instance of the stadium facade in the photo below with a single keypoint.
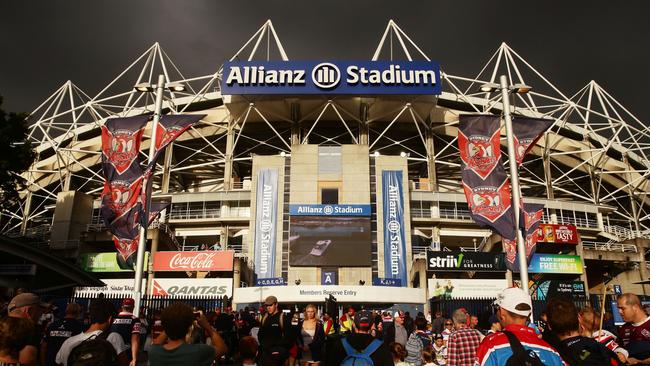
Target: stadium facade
[{"x": 327, "y": 155}]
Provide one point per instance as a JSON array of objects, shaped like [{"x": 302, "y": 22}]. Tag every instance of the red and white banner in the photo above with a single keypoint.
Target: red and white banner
[
  {"x": 199, "y": 287},
  {"x": 194, "y": 261},
  {"x": 562, "y": 234}
]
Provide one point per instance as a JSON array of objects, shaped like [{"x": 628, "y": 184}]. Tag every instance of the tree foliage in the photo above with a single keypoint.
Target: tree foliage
[{"x": 16, "y": 155}]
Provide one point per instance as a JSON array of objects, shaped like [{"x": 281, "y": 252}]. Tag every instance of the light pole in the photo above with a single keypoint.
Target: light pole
[
  {"x": 506, "y": 89},
  {"x": 142, "y": 243}
]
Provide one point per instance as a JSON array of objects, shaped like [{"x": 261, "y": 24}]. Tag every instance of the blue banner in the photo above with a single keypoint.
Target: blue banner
[
  {"x": 335, "y": 77},
  {"x": 394, "y": 235},
  {"x": 329, "y": 210},
  {"x": 555, "y": 263},
  {"x": 394, "y": 282},
  {"x": 275, "y": 281},
  {"x": 266, "y": 212}
]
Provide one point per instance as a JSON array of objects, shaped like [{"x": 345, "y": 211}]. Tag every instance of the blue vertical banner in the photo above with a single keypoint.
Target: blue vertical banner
[
  {"x": 394, "y": 235},
  {"x": 266, "y": 212}
]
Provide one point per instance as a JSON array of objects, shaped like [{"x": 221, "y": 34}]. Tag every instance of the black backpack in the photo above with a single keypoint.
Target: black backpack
[
  {"x": 520, "y": 355},
  {"x": 94, "y": 351}
]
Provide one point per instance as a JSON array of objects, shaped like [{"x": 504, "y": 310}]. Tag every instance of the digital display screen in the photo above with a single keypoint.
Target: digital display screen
[{"x": 316, "y": 241}]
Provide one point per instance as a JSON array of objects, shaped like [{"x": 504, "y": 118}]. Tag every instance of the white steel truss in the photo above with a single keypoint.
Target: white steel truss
[{"x": 596, "y": 152}]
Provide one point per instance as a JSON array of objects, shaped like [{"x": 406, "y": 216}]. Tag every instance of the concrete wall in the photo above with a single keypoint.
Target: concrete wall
[{"x": 72, "y": 213}]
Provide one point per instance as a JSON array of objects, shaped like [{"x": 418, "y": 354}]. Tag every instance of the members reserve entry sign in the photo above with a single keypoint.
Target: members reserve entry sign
[{"x": 347, "y": 77}]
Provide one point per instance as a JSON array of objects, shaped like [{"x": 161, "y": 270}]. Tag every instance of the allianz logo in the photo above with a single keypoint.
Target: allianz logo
[{"x": 328, "y": 75}]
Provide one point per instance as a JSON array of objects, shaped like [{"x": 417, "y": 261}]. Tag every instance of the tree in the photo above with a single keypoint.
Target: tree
[{"x": 16, "y": 155}]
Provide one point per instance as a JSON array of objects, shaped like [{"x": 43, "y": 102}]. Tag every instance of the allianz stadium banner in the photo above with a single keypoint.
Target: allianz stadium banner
[
  {"x": 266, "y": 209},
  {"x": 394, "y": 235},
  {"x": 331, "y": 77},
  {"x": 527, "y": 131}
]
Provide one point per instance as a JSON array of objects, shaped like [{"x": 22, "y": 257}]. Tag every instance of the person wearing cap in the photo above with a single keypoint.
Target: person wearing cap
[
  {"x": 513, "y": 309},
  {"x": 57, "y": 333},
  {"x": 439, "y": 349},
  {"x": 27, "y": 305},
  {"x": 273, "y": 334},
  {"x": 101, "y": 316},
  {"x": 129, "y": 327},
  {"x": 359, "y": 340},
  {"x": 346, "y": 322}
]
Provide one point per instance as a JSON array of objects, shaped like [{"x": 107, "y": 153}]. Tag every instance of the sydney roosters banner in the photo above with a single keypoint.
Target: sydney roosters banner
[
  {"x": 527, "y": 131},
  {"x": 121, "y": 142},
  {"x": 478, "y": 142},
  {"x": 531, "y": 218},
  {"x": 490, "y": 200},
  {"x": 170, "y": 127}
]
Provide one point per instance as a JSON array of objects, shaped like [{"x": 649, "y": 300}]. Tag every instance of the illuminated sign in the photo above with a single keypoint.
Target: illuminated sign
[{"x": 347, "y": 77}]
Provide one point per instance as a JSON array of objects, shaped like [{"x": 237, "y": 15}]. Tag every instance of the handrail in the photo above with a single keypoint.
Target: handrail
[{"x": 610, "y": 247}]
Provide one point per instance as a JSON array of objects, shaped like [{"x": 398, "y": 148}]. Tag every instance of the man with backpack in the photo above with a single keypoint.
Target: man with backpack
[
  {"x": 517, "y": 344},
  {"x": 418, "y": 342},
  {"x": 95, "y": 346},
  {"x": 274, "y": 334},
  {"x": 360, "y": 348},
  {"x": 576, "y": 350}
]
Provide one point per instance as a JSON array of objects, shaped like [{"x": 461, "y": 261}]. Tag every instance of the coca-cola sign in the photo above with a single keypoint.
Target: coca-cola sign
[{"x": 194, "y": 261}]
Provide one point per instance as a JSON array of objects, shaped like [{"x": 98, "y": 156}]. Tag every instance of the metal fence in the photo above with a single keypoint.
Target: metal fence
[{"x": 149, "y": 304}]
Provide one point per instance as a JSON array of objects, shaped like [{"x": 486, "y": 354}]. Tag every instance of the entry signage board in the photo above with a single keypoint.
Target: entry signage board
[
  {"x": 466, "y": 288},
  {"x": 465, "y": 261},
  {"x": 117, "y": 287},
  {"x": 395, "y": 282},
  {"x": 331, "y": 77},
  {"x": 329, "y": 210},
  {"x": 275, "y": 281},
  {"x": 329, "y": 278},
  {"x": 342, "y": 293},
  {"x": 552, "y": 233},
  {"x": 554, "y": 288},
  {"x": 555, "y": 263},
  {"x": 195, "y": 287},
  {"x": 194, "y": 261},
  {"x": 105, "y": 262}
]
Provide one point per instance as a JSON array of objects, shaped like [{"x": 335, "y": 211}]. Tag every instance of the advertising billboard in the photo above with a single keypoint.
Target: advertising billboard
[
  {"x": 554, "y": 288},
  {"x": 465, "y": 261},
  {"x": 197, "y": 287},
  {"x": 105, "y": 262},
  {"x": 329, "y": 241},
  {"x": 392, "y": 193},
  {"x": 555, "y": 263},
  {"x": 553, "y": 233},
  {"x": 335, "y": 77},
  {"x": 114, "y": 286},
  {"x": 194, "y": 261},
  {"x": 466, "y": 288},
  {"x": 266, "y": 209}
]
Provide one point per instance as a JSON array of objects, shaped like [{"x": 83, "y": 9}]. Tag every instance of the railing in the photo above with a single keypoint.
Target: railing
[
  {"x": 577, "y": 221},
  {"x": 454, "y": 214},
  {"x": 609, "y": 247},
  {"x": 420, "y": 185},
  {"x": 620, "y": 232},
  {"x": 208, "y": 213}
]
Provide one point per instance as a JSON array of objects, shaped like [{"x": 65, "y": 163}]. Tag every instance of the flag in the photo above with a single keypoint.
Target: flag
[
  {"x": 169, "y": 128},
  {"x": 121, "y": 142},
  {"x": 530, "y": 218},
  {"x": 154, "y": 212},
  {"x": 126, "y": 234},
  {"x": 526, "y": 132},
  {"x": 490, "y": 200},
  {"x": 478, "y": 142}
]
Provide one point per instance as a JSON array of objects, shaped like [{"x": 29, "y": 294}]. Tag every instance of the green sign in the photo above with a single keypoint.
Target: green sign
[
  {"x": 105, "y": 262},
  {"x": 555, "y": 263}
]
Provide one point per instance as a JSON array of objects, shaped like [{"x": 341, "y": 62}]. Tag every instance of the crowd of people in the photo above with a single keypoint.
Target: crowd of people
[{"x": 30, "y": 334}]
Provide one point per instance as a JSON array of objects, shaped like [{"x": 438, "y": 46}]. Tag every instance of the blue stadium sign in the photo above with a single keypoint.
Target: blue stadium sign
[
  {"x": 346, "y": 78},
  {"x": 393, "y": 282},
  {"x": 329, "y": 210},
  {"x": 275, "y": 281}
]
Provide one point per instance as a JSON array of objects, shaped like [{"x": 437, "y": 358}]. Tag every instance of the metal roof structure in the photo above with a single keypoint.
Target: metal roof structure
[{"x": 596, "y": 152}]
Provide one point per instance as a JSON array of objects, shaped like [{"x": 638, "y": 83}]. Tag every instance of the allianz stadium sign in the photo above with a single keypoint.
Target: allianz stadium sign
[{"x": 345, "y": 77}]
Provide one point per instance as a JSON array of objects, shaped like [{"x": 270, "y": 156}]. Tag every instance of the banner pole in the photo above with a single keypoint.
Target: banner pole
[
  {"x": 142, "y": 243},
  {"x": 514, "y": 182}
]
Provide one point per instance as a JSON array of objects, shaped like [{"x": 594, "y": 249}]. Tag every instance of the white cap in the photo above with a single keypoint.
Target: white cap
[{"x": 511, "y": 297}]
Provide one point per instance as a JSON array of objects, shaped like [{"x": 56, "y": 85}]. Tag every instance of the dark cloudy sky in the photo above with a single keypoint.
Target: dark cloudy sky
[{"x": 46, "y": 42}]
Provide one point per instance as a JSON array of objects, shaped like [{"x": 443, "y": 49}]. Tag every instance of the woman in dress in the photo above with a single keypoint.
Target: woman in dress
[{"x": 311, "y": 338}]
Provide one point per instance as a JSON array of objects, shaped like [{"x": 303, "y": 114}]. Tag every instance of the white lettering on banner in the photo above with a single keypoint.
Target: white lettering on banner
[
  {"x": 392, "y": 76},
  {"x": 257, "y": 75},
  {"x": 265, "y": 228},
  {"x": 196, "y": 262},
  {"x": 375, "y": 294},
  {"x": 449, "y": 261},
  {"x": 394, "y": 228}
]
